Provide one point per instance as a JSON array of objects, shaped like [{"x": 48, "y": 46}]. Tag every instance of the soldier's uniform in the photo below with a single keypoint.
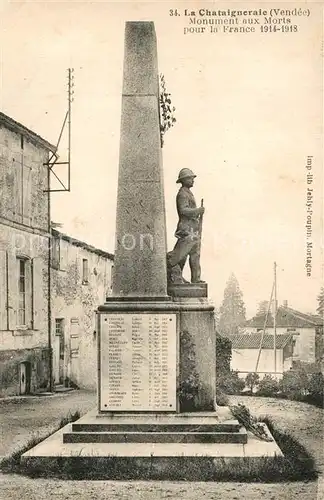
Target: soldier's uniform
[{"x": 187, "y": 233}]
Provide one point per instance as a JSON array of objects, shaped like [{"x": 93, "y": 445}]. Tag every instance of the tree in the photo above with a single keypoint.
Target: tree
[
  {"x": 320, "y": 300},
  {"x": 232, "y": 310},
  {"x": 262, "y": 308}
]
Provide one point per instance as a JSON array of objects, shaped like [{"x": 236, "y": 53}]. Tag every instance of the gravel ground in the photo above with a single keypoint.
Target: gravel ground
[
  {"x": 17, "y": 487},
  {"x": 304, "y": 421}
]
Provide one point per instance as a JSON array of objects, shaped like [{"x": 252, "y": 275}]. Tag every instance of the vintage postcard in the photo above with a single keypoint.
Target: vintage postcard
[{"x": 161, "y": 249}]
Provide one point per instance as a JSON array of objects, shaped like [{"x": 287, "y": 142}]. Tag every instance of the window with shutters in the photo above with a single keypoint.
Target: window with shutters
[
  {"x": 24, "y": 302},
  {"x": 21, "y": 180},
  {"x": 22, "y": 292}
]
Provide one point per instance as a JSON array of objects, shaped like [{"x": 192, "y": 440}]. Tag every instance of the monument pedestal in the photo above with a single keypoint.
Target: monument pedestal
[{"x": 156, "y": 355}]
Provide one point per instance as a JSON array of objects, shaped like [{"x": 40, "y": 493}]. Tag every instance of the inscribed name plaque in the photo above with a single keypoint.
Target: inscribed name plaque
[{"x": 138, "y": 365}]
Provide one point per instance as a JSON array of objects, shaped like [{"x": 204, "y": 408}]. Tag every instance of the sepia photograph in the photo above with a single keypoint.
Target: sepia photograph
[{"x": 161, "y": 250}]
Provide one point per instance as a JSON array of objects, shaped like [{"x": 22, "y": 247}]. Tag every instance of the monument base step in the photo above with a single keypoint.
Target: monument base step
[
  {"x": 146, "y": 460},
  {"x": 227, "y": 427},
  {"x": 220, "y": 421},
  {"x": 199, "y": 427},
  {"x": 156, "y": 437}
]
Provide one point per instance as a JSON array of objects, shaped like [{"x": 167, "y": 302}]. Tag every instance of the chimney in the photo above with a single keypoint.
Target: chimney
[{"x": 285, "y": 303}]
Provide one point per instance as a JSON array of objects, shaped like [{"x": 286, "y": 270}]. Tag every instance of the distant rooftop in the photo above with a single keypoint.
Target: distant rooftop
[
  {"x": 253, "y": 340},
  {"x": 82, "y": 244},
  {"x": 286, "y": 317},
  {"x": 17, "y": 127}
]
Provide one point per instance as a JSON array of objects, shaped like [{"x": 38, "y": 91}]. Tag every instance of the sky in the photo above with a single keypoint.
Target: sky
[{"x": 249, "y": 112}]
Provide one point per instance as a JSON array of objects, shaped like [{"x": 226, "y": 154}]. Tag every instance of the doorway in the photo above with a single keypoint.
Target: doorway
[
  {"x": 58, "y": 351},
  {"x": 25, "y": 376}
]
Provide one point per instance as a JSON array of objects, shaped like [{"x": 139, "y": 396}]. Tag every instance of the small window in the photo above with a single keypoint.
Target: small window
[
  {"x": 59, "y": 326},
  {"x": 85, "y": 271}
]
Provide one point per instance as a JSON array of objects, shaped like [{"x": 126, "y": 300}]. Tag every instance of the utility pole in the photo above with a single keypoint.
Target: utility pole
[
  {"x": 52, "y": 162},
  {"x": 70, "y": 99},
  {"x": 275, "y": 319}
]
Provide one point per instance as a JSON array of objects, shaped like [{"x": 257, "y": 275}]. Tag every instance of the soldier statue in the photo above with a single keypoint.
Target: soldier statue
[{"x": 188, "y": 232}]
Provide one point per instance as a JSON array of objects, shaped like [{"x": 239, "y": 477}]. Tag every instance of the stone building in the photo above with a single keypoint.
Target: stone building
[
  {"x": 50, "y": 284},
  {"x": 25, "y": 361},
  {"x": 80, "y": 282},
  {"x": 307, "y": 331}
]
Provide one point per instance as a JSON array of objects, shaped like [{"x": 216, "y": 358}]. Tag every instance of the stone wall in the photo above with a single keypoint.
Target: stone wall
[
  {"x": 75, "y": 299},
  {"x": 24, "y": 236},
  {"x": 244, "y": 361},
  {"x": 37, "y": 361}
]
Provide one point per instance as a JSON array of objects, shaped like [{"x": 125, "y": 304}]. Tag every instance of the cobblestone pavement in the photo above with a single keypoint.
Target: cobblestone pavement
[{"x": 304, "y": 421}]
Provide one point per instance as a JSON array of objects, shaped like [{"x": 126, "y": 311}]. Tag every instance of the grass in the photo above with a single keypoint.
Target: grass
[
  {"x": 310, "y": 399},
  {"x": 296, "y": 465}
]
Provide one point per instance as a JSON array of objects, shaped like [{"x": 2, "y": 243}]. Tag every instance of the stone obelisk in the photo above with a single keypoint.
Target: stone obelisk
[
  {"x": 140, "y": 252},
  {"x": 144, "y": 331},
  {"x": 138, "y": 323}
]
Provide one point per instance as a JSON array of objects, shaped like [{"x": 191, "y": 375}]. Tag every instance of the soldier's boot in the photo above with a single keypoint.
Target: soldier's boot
[{"x": 194, "y": 262}]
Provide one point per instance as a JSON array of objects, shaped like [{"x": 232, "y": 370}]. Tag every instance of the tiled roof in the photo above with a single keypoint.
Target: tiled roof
[
  {"x": 253, "y": 340},
  {"x": 79, "y": 243},
  {"x": 17, "y": 127},
  {"x": 287, "y": 317}
]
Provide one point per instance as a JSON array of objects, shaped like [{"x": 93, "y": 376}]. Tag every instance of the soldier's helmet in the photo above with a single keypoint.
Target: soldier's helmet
[{"x": 185, "y": 172}]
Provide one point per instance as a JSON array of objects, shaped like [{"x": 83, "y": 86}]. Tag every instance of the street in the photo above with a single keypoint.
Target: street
[{"x": 22, "y": 418}]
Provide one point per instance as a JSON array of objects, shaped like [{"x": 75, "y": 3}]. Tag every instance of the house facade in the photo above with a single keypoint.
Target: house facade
[
  {"x": 50, "y": 284},
  {"x": 25, "y": 356},
  {"x": 245, "y": 354},
  {"x": 80, "y": 282},
  {"x": 307, "y": 331}
]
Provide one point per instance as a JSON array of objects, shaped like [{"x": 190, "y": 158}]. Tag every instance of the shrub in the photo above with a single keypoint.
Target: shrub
[
  {"x": 294, "y": 384},
  {"x": 316, "y": 390},
  {"x": 268, "y": 386},
  {"x": 251, "y": 380},
  {"x": 223, "y": 355},
  {"x": 316, "y": 384},
  {"x": 192, "y": 392},
  {"x": 221, "y": 398},
  {"x": 230, "y": 383}
]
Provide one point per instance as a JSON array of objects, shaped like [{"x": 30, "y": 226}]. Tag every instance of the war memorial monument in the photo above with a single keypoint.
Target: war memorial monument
[{"x": 147, "y": 410}]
